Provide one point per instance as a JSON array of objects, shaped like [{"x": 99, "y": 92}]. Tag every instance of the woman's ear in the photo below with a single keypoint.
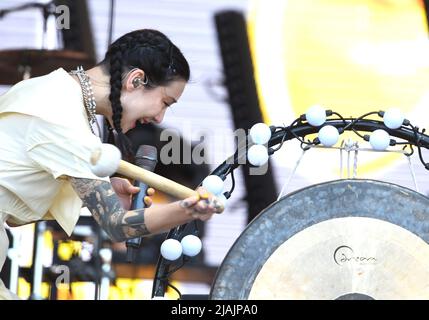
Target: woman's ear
[{"x": 134, "y": 79}]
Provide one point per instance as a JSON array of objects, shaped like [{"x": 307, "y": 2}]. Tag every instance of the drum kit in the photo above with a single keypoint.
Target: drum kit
[{"x": 19, "y": 64}]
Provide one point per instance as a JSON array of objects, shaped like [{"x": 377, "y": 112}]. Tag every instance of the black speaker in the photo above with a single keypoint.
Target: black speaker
[
  {"x": 426, "y": 8},
  {"x": 243, "y": 99}
]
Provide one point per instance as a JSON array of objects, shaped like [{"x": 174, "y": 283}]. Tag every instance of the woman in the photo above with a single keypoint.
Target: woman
[{"x": 47, "y": 140}]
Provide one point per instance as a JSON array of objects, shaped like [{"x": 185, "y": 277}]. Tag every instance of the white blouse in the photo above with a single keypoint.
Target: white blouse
[{"x": 44, "y": 136}]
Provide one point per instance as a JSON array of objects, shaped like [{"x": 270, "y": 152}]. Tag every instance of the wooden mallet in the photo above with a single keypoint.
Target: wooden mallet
[{"x": 106, "y": 160}]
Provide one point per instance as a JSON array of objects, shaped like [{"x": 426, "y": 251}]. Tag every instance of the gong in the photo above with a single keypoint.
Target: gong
[{"x": 345, "y": 239}]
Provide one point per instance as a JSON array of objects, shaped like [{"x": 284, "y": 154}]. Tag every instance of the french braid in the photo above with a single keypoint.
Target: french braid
[{"x": 151, "y": 51}]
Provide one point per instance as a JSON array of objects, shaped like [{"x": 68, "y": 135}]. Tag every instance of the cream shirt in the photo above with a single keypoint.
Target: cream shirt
[{"x": 44, "y": 136}]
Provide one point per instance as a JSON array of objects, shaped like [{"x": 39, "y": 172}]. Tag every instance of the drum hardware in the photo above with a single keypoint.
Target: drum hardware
[
  {"x": 37, "y": 263},
  {"x": 48, "y": 9},
  {"x": 19, "y": 64},
  {"x": 14, "y": 256},
  {"x": 392, "y": 125}
]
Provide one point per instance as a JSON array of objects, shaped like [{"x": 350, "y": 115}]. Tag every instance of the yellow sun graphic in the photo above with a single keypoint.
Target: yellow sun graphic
[{"x": 351, "y": 56}]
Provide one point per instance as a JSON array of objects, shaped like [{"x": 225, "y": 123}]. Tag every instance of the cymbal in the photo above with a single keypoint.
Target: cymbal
[{"x": 15, "y": 62}]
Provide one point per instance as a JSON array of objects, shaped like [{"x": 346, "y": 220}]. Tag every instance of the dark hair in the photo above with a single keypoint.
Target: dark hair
[{"x": 156, "y": 55}]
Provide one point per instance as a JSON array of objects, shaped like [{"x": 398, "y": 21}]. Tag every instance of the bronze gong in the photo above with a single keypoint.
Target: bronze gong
[{"x": 345, "y": 239}]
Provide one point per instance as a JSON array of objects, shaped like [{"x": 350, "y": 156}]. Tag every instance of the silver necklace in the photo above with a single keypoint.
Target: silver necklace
[{"x": 88, "y": 95}]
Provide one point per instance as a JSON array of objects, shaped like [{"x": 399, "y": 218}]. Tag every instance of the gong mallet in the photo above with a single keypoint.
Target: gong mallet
[{"x": 106, "y": 160}]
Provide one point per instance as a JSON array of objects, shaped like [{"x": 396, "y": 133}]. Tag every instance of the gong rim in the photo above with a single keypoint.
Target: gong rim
[{"x": 306, "y": 207}]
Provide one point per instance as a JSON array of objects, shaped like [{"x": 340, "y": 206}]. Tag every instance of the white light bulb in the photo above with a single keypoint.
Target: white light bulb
[
  {"x": 260, "y": 133},
  {"x": 328, "y": 135},
  {"x": 222, "y": 199},
  {"x": 393, "y": 118},
  {"x": 257, "y": 155},
  {"x": 213, "y": 184},
  {"x": 171, "y": 249},
  {"x": 85, "y": 255},
  {"x": 106, "y": 255},
  {"x": 316, "y": 115},
  {"x": 105, "y": 160},
  {"x": 191, "y": 245},
  {"x": 379, "y": 139}
]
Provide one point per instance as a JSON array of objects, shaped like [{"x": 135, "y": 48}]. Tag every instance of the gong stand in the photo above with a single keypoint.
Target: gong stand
[{"x": 407, "y": 135}]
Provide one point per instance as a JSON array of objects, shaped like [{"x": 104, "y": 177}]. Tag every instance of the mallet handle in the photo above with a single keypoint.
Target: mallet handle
[{"x": 155, "y": 181}]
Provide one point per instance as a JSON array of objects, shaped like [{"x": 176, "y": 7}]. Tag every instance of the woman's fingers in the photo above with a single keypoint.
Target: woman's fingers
[
  {"x": 203, "y": 206},
  {"x": 148, "y": 201},
  {"x": 189, "y": 202},
  {"x": 150, "y": 191},
  {"x": 132, "y": 189}
]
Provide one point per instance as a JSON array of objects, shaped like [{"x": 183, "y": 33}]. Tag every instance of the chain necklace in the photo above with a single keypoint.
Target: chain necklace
[{"x": 88, "y": 95}]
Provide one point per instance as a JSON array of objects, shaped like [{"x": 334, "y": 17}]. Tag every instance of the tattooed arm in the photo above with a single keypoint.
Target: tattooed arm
[
  {"x": 121, "y": 224},
  {"x": 103, "y": 203}
]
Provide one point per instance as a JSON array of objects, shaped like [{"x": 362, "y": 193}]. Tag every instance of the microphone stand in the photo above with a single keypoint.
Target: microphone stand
[
  {"x": 37, "y": 263},
  {"x": 97, "y": 261}
]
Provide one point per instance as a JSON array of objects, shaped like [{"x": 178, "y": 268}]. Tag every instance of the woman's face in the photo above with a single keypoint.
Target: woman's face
[{"x": 148, "y": 105}]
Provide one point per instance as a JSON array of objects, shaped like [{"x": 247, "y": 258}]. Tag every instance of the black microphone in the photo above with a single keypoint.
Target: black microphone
[{"x": 146, "y": 158}]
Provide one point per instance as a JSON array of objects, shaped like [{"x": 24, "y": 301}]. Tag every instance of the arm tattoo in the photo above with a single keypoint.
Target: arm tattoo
[
  {"x": 134, "y": 224},
  {"x": 103, "y": 203}
]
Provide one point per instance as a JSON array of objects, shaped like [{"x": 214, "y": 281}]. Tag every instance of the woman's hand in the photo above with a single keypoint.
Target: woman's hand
[
  {"x": 203, "y": 206},
  {"x": 125, "y": 190}
]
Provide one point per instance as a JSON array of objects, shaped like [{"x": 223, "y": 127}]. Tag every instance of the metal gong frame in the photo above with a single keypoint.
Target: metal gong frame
[{"x": 409, "y": 136}]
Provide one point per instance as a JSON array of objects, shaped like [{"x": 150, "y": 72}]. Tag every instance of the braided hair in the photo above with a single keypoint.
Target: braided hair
[{"x": 151, "y": 51}]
